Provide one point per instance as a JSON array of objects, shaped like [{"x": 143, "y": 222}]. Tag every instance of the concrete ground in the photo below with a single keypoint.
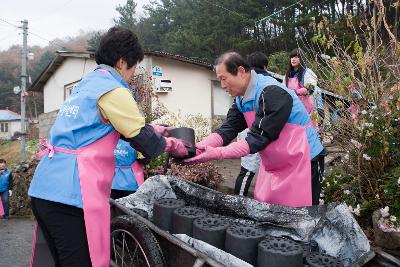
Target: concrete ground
[
  {"x": 16, "y": 236},
  {"x": 229, "y": 169}
]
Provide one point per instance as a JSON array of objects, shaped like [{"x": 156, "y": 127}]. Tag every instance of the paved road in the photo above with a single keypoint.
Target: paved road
[{"x": 16, "y": 237}]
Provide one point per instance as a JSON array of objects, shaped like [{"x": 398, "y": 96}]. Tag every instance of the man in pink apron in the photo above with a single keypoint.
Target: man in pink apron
[
  {"x": 71, "y": 187},
  {"x": 280, "y": 130}
]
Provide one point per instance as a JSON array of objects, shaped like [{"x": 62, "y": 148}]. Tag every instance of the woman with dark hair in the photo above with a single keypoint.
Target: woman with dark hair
[
  {"x": 298, "y": 77},
  {"x": 71, "y": 187}
]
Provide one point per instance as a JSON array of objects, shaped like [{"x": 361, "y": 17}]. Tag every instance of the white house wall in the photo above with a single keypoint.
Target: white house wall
[
  {"x": 71, "y": 70},
  {"x": 191, "y": 87},
  {"x": 13, "y": 126},
  {"x": 222, "y": 100}
]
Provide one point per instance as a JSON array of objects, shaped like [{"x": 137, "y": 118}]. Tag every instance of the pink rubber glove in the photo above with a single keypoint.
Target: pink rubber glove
[
  {"x": 302, "y": 91},
  {"x": 176, "y": 147},
  {"x": 233, "y": 151},
  {"x": 213, "y": 140},
  {"x": 161, "y": 130}
]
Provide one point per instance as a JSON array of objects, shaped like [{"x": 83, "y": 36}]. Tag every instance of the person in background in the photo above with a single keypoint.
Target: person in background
[
  {"x": 354, "y": 108},
  {"x": 128, "y": 171},
  {"x": 258, "y": 61},
  {"x": 304, "y": 82},
  {"x": 71, "y": 186},
  {"x": 298, "y": 77},
  {"x": 248, "y": 167},
  {"x": 279, "y": 129},
  {"x": 6, "y": 181}
]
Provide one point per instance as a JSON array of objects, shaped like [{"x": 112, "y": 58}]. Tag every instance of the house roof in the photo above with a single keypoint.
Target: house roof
[
  {"x": 198, "y": 62},
  {"x": 8, "y": 115},
  {"x": 38, "y": 84}
]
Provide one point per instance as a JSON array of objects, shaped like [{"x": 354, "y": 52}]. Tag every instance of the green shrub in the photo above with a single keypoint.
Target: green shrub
[
  {"x": 278, "y": 62},
  {"x": 205, "y": 174},
  {"x": 362, "y": 72}
]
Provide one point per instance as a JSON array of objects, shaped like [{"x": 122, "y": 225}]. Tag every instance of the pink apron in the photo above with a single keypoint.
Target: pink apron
[
  {"x": 1, "y": 209},
  {"x": 284, "y": 176},
  {"x": 137, "y": 170},
  {"x": 307, "y": 100},
  {"x": 96, "y": 170}
]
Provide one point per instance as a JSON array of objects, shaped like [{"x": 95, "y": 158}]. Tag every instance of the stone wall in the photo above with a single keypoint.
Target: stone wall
[{"x": 46, "y": 121}]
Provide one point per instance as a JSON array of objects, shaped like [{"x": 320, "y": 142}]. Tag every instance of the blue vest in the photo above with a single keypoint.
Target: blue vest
[
  {"x": 124, "y": 178},
  {"x": 5, "y": 181},
  {"x": 77, "y": 125},
  {"x": 298, "y": 115}
]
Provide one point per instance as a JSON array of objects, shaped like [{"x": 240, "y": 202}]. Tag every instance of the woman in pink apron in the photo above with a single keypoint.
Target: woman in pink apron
[
  {"x": 297, "y": 77},
  {"x": 71, "y": 187},
  {"x": 280, "y": 130}
]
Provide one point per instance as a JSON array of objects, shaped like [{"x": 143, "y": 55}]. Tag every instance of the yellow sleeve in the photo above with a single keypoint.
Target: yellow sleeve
[{"x": 120, "y": 109}]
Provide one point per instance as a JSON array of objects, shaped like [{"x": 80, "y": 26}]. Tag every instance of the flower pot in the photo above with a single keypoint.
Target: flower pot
[
  {"x": 163, "y": 210},
  {"x": 182, "y": 219},
  {"x": 242, "y": 241},
  {"x": 186, "y": 134},
  {"x": 316, "y": 259},
  {"x": 211, "y": 229},
  {"x": 277, "y": 252}
]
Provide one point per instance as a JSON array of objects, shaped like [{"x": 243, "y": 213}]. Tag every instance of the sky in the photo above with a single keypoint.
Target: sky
[{"x": 50, "y": 19}]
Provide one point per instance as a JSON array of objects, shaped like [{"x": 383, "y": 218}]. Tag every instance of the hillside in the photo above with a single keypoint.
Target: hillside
[
  {"x": 10, "y": 71},
  {"x": 9, "y": 150}
]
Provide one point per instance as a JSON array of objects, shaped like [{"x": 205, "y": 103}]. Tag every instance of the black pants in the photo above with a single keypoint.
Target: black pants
[
  {"x": 317, "y": 173},
  {"x": 120, "y": 193},
  {"x": 243, "y": 182},
  {"x": 63, "y": 227}
]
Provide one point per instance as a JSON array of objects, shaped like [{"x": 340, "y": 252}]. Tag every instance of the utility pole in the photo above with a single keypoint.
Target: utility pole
[{"x": 24, "y": 77}]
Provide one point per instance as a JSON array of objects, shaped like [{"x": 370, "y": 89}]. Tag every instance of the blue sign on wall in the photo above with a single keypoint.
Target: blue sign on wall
[{"x": 157, "y": 71}]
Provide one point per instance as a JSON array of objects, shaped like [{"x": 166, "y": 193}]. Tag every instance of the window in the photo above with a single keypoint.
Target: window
[
  {"x": 68, "y": 88},
  {"x": 4, "y": 127}
]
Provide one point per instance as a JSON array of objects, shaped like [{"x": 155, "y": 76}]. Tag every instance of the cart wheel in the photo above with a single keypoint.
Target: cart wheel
[{"x": 133, "y": 244}]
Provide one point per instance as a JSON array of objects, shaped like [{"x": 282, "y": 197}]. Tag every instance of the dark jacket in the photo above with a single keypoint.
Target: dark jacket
[{"x": 275, "y": 107}]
